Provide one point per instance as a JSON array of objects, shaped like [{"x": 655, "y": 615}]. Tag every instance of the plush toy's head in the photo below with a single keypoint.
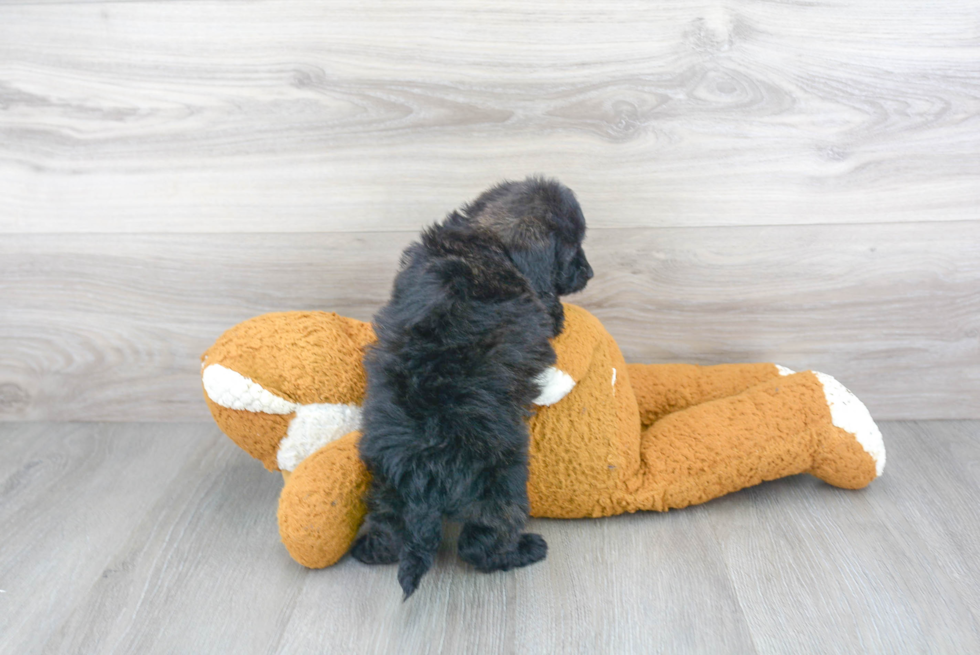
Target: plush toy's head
[{"x": 292, "y": 374}]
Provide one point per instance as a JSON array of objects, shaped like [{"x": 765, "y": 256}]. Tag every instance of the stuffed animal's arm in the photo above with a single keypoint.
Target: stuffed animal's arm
[{"x": 574, "y": 349}]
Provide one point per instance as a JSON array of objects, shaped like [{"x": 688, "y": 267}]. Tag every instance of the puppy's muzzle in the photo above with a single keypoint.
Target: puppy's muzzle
[{"x": 581, "y": 273}]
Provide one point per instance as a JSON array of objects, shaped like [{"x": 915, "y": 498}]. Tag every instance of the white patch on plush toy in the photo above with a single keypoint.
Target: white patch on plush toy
[
  {"x": 233, "y": 390},
  {"x": 783, "y": 370},
  {"x": 554, "y": 384},
  {"x": 614, "y": 377},
  {"x": 848, "y": 413},
  {"x": 313, "y": 427}
]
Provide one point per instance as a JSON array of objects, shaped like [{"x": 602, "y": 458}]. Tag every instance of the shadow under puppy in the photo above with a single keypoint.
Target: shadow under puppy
[{"x": 453, "y": 373}]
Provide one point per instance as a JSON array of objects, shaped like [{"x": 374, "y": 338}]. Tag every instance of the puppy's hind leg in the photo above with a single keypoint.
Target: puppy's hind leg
[
  {"x": 421, "y": 537},
  {"x": 491, "y": 540},
  {"x": 380, "y": 541},
  {"x": 489, "y": 549}
]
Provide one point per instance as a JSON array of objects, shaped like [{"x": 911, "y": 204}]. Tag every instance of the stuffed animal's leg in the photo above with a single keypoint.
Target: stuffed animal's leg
[
  {"x": 662, "y": 389},
  {"x": 801, "y": 423},
  {"x": 322, "y": 506}
]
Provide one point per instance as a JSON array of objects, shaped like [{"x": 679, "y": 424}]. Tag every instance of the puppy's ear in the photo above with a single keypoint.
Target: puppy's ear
[{"x": 537, "y": 259}]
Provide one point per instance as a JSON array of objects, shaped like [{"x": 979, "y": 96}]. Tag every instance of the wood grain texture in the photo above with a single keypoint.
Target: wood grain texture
[
  {"x": 69, "y": 497},
  {"x": 240, "y": 116},
  {"x": 111, "y": 327},
  {"x": 162, "y": 539},
  {"x": 772, "y": 559},
  {"x": 155, "y": 595}
]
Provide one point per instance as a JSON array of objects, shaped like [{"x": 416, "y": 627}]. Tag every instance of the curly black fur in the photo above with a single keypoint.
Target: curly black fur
[{"x": 452, "y": 376}]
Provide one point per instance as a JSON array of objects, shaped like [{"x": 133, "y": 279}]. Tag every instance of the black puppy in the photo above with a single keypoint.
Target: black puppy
[{"x": 452, "y": 376}]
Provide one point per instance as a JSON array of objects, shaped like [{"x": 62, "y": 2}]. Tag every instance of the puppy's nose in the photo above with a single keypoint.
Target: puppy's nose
[{"x": 588, "y": 272}]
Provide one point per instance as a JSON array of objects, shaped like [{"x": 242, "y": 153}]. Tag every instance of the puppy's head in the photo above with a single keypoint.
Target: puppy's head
[{"x": 542, "y": 226}]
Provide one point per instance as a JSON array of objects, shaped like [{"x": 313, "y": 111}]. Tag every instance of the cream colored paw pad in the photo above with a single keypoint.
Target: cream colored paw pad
[{"x": 849, "y": 414}]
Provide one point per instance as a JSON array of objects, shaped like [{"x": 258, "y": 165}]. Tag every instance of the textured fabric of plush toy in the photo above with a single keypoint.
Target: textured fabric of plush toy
[
  {"x": 666, "y": 388},
  {"x": 583, "y": 461},
  {"x": 303, "y": 357},
  {"x": 300, "y": 357},
  {"x": 318, "y": 517},
  {"x": 608, "y": 438},
  {"x": 778, "y": 428}
]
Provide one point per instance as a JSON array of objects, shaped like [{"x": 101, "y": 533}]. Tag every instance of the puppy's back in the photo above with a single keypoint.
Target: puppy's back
[{"x": 459, "y": 343}]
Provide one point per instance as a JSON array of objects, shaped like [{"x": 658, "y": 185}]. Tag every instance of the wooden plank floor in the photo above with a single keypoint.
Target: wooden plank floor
[{"x": 161, "y": 538}]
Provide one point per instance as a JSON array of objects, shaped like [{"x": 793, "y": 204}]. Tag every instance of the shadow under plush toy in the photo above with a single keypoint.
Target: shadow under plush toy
[{"x": 607, "y": 437}]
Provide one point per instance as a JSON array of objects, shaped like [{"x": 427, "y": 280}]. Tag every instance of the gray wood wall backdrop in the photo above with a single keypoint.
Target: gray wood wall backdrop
[{"x": 783, "y": 181}]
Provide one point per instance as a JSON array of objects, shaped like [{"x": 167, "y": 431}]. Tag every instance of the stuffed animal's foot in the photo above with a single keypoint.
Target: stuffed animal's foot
[
  {"x": 853, "y": 452},
  {"x": 322, "y": 506},
  {"x": 796, "y": 423}
]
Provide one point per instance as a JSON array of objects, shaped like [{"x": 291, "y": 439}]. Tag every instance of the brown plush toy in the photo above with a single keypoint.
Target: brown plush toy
[{"x": 607, "y": 437}]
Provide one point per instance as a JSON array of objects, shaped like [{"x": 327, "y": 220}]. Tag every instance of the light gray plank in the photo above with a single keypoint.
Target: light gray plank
[
  {"x": 888, "y": 569},
  {"x": 111, "y": 327},
  {"x": 950, "y": 544},
  {"x": 892, "y": 311},
  {"x": 231, "y": 115},
  {"x": 69, "y": 496},
  {"x": 666, "y": 589},
  {"x": 114, "y": 326},
  {"x": 629, "y": 584},
  {"x": 140, "y": 538},
  {"x": 202, "y": 572}
]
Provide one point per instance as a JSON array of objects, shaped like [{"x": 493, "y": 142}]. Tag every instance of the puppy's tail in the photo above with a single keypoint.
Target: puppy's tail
[{"x": 423, "y": 534}]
